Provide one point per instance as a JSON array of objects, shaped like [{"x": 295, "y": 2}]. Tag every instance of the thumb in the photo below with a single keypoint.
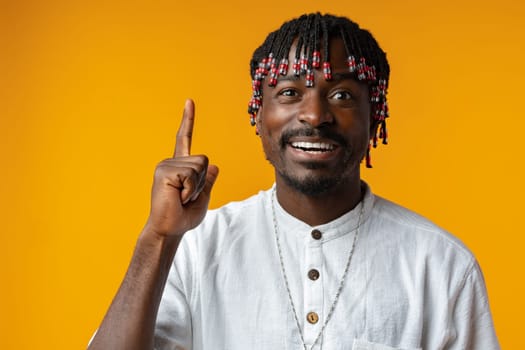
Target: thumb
[{"x": 211, "y": 176}]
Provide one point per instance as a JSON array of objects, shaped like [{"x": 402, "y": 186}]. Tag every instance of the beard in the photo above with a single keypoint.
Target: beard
[{"x": 315, "y": 184}]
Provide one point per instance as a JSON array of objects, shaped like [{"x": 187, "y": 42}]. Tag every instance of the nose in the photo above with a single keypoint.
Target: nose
[{"x": 314, "y": 111}]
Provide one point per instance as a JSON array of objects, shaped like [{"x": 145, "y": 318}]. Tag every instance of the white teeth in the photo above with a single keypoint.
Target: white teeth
[{"x": 313, "y": 146}]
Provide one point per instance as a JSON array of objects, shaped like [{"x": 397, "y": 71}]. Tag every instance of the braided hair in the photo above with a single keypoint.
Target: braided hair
[{"x": 313, "y": 31}]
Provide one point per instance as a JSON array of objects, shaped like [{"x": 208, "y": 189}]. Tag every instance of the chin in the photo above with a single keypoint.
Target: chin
[{"x": 314, "y": 185}]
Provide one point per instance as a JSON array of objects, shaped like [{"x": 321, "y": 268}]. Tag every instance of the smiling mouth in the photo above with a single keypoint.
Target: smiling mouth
[{"x": 313, "y": 147}]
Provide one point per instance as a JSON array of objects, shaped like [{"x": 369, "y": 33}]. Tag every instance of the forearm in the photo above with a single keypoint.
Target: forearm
[{"x": 130, "y": 320}]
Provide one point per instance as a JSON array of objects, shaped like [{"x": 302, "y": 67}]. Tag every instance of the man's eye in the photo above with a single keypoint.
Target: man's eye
[
  {"x": 342, "y": 95},
  {"x": 288, "y": 92}
]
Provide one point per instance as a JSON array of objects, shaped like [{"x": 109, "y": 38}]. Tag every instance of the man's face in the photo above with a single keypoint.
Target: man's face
[{"x": 316, "y": 137}]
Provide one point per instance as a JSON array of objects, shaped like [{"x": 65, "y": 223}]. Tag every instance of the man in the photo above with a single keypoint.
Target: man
[{"x": 316, "y": 262}]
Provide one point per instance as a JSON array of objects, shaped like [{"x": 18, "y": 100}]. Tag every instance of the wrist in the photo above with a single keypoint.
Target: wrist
[
  {"x": 151, "y": 238},
  {"x": 161, "y": 230}
]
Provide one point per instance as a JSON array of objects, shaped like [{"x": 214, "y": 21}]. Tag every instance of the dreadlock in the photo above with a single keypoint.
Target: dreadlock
[{"x": 313, "y": 31}]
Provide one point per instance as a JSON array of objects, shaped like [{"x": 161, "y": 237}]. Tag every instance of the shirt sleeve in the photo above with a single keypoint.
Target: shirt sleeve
[{"x": 471, "y": 315}]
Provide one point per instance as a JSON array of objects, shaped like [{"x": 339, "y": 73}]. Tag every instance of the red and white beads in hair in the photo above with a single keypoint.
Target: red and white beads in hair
[
  {"x": 274, "y": 73},
  {"x": 262, "y": 70},
  {"x": 351, "y": 64},
  {"x": 253, "y": 108},
  {"x": 374, "y": 94},
  {"x": 381, "y": 85},
  {"x": 270, "y": 61},
  {"x": 327, "y": 71},
  {"x": 256, "y": 87},
  {"x": 361, "y": 69},
  {"x": 370, "y": 73},
  {"x": 283, "y": 66},
  {"x": 266, "y": 67},
  {"x": 309, "y": 78},
  {"x": 316, "y": 59},
  {"x": 304, "y": 64},
  {"x": 296, "y": 67}
]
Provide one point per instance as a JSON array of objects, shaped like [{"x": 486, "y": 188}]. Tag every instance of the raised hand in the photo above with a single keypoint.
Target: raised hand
[
  {"x": 179, "y": 200},
  {"x": 182, "y": 185}
]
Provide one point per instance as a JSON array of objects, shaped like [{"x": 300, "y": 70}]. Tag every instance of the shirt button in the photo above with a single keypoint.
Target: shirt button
[
  {"x": 312, "y": 317},
  {"x": 313, "y": 274},
  {"x": 316, "y": 234}
]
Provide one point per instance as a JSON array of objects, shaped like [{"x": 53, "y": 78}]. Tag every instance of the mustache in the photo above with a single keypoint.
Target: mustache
[{"x": 312, "y": 132}]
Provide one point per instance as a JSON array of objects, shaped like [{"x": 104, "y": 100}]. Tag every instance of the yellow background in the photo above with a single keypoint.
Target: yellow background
[{"x": 91, "y": 95}]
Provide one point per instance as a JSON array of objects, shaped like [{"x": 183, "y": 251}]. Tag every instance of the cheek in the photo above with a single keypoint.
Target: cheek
[
  {"x": 269, "y": 139},
  {"x": 356, "y": 127},
  {"x": 363, "y": 123},
  {"x": 263, "y": 129},
  {"x": 267, "y": 122}
]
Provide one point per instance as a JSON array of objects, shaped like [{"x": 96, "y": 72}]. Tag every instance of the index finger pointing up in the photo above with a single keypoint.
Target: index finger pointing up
[{"x": 183, "y": 143}]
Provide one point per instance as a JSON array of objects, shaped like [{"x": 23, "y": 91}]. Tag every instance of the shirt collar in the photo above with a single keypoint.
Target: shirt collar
[{"x": 338, "y": 227}]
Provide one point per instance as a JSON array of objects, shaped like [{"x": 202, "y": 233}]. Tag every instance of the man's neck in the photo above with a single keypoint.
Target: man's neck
[{"x": 319, "y": 209}]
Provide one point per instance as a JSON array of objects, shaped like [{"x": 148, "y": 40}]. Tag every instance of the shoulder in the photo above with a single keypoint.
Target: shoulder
[
  {"x": 410, "y": 229},
  {"x": 416, "y": 246}
]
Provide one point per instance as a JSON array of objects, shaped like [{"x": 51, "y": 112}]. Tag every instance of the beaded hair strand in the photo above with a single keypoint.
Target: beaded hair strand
[{"x": 311, "y": 32}]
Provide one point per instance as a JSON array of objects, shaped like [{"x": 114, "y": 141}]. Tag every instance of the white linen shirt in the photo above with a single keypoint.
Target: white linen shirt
[{"x": 410, "y": 285}]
